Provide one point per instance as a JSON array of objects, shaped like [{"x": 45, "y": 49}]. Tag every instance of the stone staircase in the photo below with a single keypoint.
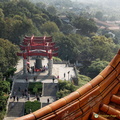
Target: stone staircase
[
  {"x": 15, "y": 109},
  {"x": 49, "y": 89},
  {"x": 49, "y": 92},
  {"x": 18, "y": 88}
]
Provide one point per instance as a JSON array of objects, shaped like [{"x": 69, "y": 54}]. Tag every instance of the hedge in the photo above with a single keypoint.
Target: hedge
[{"x": 31, "y": 106}]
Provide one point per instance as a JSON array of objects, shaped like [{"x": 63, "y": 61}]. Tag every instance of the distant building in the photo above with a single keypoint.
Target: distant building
[
  {"x": 109, "y": 25},
  {"x": 64, "y": 18}
]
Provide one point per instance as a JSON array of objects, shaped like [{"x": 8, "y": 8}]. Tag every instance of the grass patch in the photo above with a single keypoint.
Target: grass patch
[
  {"x": 31, "y": 106},
  {"x": 35, "y": 87}
]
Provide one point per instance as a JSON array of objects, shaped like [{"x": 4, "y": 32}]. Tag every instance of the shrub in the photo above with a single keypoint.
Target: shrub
[
  {"x": 2, "y": 113},
  {"x": 56, "y": 59},
  {"x": 82, "y": 80},
  {"x": 35, "y": 87},
  {"x": 65, "y": 88},
  {"x": 31, "y": 106}
]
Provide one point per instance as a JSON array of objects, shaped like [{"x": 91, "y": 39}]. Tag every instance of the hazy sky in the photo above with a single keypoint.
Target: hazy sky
[
  {"x": 104, "y": 2},
  {"x": 91, "y": 0},
  {"x": 97, "y": 1}
]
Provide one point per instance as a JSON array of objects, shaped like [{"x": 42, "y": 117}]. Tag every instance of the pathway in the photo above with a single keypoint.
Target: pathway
[
  {"x": 15, "y": 109},
  {"x": 49, "y": 88}
]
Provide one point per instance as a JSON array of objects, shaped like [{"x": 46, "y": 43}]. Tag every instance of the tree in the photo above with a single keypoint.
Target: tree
[
  {"x": 56, "y": 19},
  {"x": 8, "y": 56},
  {"x": 93, "y": 48},
  {"x": 68, "y": 50},
  {"x": 4, "y": 0},
  {"x": 8, "y": 59},
  {"x": 41, "y": 5},
  {"x": 85, "y": 26},
  {"x": 99, "y": 15},
  {"x": 65, "y": 88},
  {"x": 98, "y": 47},
  {"x": 10, "y": 72},
  {"x": 25, "y": 25},
  {"x": 51, "y": 10},
  {"x": 1, "y": 14},
  {"x": 4, "y": 90},
  {"x": 102, "y": 47},
  {"x": 2, "y": 26},
  {"x": 82, "y": 80},
  {"x": 49, "y": 27},
  {"x": 67, "y": 28},
  {"x": 38, "y": 20},
  {"x": 4, "y": 87},
  {"x": 96, "y": 67}
]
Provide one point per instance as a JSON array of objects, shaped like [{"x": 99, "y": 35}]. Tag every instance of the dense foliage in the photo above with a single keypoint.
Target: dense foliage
[
  {"x": 8, "y": 56},
  {"x": 82, "y": 80},
  {"x": 8, "y": 60},
  {"x": 27, "y": 17},
  {"x": 35, "y": 88},
  {"x": 85, "y": 26},
  {"x": 31, "y": 107},
  {"x": 4, "y": 94},
  {"x": 96, "y": 67},
  {"x": 65, "y": 88}
]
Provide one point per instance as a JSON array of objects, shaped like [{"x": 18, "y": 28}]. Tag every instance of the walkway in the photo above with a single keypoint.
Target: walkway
[
  {"x": 15, "y": 109},
  {"x": 64, "y": 72},
  {"x": 49, "y": 86}
]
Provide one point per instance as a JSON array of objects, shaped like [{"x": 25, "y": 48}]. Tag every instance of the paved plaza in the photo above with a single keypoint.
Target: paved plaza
[{"x": 63, "y": 71}]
